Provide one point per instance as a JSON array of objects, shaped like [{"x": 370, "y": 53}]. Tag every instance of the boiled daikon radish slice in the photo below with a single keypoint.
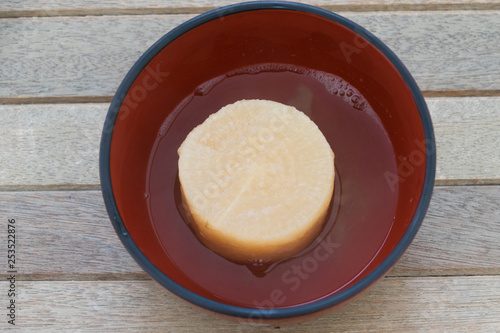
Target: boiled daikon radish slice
[{"x": 257, "y": 179}]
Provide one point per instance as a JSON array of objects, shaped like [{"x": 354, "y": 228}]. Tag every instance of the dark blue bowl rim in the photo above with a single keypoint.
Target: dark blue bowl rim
[{"x": 270, "y": 313}]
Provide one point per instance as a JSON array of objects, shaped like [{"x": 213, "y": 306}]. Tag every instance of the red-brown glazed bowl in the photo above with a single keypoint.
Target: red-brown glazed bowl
[{"x": 346, "y": 80}]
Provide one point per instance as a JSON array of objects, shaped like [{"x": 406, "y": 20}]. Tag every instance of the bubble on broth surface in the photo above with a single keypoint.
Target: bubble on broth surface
[{"x": 334, "y": 84}]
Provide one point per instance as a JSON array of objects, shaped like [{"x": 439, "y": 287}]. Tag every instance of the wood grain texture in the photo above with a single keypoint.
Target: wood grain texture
[
  {"x": 68, "y": 235},
  {"x": 89, "y": 56},
  {"x": 71, "y": 56},
  {"x": 460, "y": 234},
  {"x": 467, "y": 137},
  {"x": 430, "y": 304},
  {"x": 56, "y": 146},
  {"x": 65, "y": 235},
  {"x": 12, "y": 8},
  {"x": 50, "y": 144}
]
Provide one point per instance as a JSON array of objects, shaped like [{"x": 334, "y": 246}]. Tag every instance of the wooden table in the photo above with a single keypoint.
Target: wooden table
[{"x": 60, "y": 64}]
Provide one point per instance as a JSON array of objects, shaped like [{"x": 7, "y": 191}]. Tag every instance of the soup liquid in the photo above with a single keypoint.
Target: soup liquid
[{"x": 360, "y": 215}]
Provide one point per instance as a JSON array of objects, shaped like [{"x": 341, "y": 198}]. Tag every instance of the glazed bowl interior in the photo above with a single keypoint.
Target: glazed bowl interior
[{"x": 358, "y": 93}]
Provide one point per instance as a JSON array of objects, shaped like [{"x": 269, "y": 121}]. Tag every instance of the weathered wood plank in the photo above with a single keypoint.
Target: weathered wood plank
[
  {"x": 71, "y": 56},
  {"x": 88, "y": 56},
  {"x": 460, "y": 234},
  {"x": 61, "y": 235},
  {"x": 67, "y": 235},
  {"x": 430, "y": 304},
  {"x": 467, "y": 138},
  {"x": 50, "y": 144},
  {"x": 12, "y": 8},
  {"x": 56, "y": 146}
]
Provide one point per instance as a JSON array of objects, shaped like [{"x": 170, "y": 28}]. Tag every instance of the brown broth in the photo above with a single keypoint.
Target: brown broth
[{"x": 362, "y": 209}]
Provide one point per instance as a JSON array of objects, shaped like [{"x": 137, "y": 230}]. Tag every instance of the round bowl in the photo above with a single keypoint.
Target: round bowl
[{"x": 346, "y": 80}]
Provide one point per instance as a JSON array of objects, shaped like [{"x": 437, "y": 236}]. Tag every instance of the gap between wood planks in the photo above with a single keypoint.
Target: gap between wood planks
[
  {"x": 108, "y": 99},
  {"x": 97, "y": 187},
  {"x": 143, "y": 276},
  {"x": 199, "y": 10}
]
